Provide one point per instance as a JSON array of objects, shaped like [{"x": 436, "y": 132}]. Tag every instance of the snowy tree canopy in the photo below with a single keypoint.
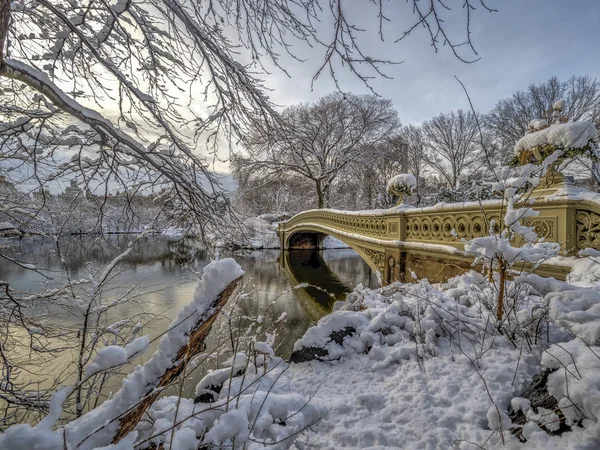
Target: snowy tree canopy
[{"x": 152, "y": 84}]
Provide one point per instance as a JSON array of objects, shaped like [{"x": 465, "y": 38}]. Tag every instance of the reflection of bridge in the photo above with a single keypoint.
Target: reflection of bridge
[
  {"x": 308, "y": 266},
  {"x": 428, "y": 240}
]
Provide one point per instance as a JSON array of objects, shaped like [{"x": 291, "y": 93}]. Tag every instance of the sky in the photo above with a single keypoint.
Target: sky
[{"x": 525, "y": 42}]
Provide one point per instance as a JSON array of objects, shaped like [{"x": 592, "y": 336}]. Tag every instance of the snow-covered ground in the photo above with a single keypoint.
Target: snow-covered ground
[{"x": 420, "y": 366}]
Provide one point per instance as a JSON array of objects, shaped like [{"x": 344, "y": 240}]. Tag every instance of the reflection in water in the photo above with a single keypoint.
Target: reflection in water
[{"x": 158, "y": 271}]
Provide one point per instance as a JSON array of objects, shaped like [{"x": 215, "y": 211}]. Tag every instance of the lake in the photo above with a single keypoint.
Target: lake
[{"x": 158, "y": 278}]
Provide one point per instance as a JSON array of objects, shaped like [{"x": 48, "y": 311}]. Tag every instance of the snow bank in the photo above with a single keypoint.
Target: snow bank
[
  {"x": 562, "y": 135},
  {"x": 423, "y": 366}
]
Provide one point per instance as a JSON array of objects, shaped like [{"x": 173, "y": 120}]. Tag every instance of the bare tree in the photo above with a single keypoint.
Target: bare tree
[
  {"x": 317, "y": 141},
  {"x": 125, "y": 94},
  {"x": 509, "y": 119},
  {"x": 412, "y": 135},
  {"x": 364, "y": 184},
  {"x": 451, "y": 142}
]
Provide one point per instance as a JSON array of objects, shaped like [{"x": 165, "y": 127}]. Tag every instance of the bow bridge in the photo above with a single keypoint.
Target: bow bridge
[{"x": 428, "y": 241}]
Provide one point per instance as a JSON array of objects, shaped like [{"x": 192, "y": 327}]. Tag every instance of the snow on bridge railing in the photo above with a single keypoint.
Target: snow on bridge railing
[{"x": 571, "y": 218}]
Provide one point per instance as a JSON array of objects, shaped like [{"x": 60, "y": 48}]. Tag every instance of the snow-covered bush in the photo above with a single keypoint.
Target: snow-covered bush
[{"x": 246, "y": 408}]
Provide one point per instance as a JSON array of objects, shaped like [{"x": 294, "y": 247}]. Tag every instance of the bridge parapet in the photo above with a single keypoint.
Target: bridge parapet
[
  {"x": 380, "y": 236},
  {"x": 575, "y": 224},
  {"x": 378, "y": 224}
]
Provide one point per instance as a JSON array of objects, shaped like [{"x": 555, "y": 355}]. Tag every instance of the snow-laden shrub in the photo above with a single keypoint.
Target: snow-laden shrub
[
  {"x": 250, "y": 410},
  {"x": 410, "y": 318}
]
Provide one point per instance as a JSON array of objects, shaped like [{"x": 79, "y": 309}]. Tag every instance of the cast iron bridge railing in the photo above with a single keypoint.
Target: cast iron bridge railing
[{"x": 383, "y": 238}]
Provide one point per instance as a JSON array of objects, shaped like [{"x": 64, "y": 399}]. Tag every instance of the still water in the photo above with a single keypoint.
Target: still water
[{"x": 160, "y": 276}]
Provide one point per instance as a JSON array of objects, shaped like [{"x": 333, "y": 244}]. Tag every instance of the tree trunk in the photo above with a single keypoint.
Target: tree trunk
[
  {"x": 4, "y": 23},
  {"x": 320, "y": 196}
]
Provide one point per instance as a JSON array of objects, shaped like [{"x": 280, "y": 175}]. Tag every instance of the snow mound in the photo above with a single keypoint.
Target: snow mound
[{"x": 562, "y": 135}]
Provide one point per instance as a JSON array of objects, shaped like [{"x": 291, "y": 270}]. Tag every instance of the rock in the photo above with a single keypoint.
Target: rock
[
  {"x": 306, "y": 354},
  {"x": 212, "y": 391},
  {"x": 537, "y": 393},
  {"x": 209, "y": 397}
]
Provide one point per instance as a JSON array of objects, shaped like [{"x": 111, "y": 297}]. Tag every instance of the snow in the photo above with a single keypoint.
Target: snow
[
  {"x": 185, "y": 439},
  {"x": 173, "y": 232},
  {"x": 263, "y": 347},
  {"x": 497, "y": 419},
  {"x": 397, "y": 382},
  {"x": 538, "y": 124},
  {"x": 562, "y": 135},
  {"x": 402, "y": 181},
  {"x": 403, "y": 373},
  {"x": 7, "y": 226},
  {"x": 366, "y": 212},
  {"x": 231, "y": 426},
  {"x": 114, "y": 355},
  {"x": 41, "y": 436},
  {"x": 559, "y": 105},
  {"x": 251, "y": 408},
  {"x": 331, "y": 242},
  {"x": 256, "y": 233}
]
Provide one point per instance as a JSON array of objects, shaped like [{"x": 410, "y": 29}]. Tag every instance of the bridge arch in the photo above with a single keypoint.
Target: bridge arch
[{"x": 305, "y": 236}]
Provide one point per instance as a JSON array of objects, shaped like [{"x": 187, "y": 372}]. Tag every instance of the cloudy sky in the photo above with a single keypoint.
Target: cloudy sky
[{"x": 525, "y": 42}]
